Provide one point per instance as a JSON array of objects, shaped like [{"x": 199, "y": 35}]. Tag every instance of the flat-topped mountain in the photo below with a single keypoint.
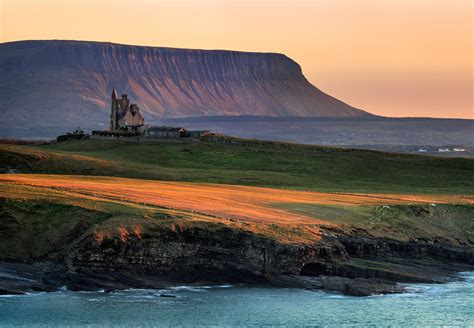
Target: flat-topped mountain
[{"x": 67, "y": 83}]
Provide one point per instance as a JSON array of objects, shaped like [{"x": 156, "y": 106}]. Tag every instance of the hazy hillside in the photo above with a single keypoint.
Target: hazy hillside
[
  {"x": 67, "y": 83},
  {"x": 387, "y": 134}
]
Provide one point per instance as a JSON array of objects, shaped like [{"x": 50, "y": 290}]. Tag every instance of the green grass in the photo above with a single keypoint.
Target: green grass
[
  {"x": 444, "y": 223},
  {"x": 357, "y": 215},
  {"x": 249, "y": 162},
  {"x": 41, "y": 229},
  {"x": 38, "y": 228}
]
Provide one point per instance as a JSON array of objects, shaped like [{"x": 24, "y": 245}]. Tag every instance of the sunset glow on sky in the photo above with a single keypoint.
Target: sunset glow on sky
[{"x": 392, "y": 57}]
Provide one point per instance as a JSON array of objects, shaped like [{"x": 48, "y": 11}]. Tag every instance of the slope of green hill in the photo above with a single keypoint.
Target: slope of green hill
[{"x": 247, "y": 162}]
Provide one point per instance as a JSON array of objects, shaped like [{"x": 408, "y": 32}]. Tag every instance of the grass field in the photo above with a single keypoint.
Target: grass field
[
  {"x": 50, "y": 209},
  {"x": 250, "y": 204},
  {"x": 251, "y": 163},
  {"x": 44, "y": 216},
  {"x": 291, "y": 193}
]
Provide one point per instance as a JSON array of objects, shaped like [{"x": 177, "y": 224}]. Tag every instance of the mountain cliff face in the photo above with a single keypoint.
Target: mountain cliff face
[{"x": 58, "y": 83}]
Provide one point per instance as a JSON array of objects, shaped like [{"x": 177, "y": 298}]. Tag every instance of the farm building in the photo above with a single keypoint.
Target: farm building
[
  {"x": 166, "y": 132},
  {"x": 172, "y": 132}
]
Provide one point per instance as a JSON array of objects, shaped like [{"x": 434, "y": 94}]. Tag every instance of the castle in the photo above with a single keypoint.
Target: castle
[
  {"x": 127, "y": 121},
  {"x": 125, "y": 116}
]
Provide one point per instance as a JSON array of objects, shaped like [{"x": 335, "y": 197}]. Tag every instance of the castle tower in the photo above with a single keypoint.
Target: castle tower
[{"x": 113, "y": 111}]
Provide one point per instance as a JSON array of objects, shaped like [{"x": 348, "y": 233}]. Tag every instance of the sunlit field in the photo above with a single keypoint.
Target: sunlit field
[{"x": 249, "y": 204}]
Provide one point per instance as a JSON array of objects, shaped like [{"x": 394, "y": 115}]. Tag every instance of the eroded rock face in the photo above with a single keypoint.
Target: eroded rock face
[
  {"x": 56, "y": 83},
  {"x": 202, "y": 254},
  {"x": 197, "y": 253},
  {"x": 352, "y": 265},
  {"x": 380, "y": 248}
]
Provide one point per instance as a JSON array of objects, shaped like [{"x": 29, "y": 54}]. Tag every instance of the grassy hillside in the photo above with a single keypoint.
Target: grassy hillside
[
  {"x": 43, "y": 216},
  {"x": 247, "y": 162},
  {"x": 451, "y": 223},
  {"x": 44, "y": 221}
]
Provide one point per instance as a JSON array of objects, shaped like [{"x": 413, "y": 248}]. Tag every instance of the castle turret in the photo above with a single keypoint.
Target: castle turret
[{"x": 113, "y": 111}]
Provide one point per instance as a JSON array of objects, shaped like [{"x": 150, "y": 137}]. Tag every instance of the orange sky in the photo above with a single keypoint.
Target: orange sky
[{"x": 389, "y": 57}]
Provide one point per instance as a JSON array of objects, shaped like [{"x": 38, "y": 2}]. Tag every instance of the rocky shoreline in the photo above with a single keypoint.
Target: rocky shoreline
[{"x": 358, "y": 266}]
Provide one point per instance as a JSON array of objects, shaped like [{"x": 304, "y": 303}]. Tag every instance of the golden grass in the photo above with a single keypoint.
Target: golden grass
[
  {"x": 239, "y": 203},
  {"x": 129, "y": 218}
]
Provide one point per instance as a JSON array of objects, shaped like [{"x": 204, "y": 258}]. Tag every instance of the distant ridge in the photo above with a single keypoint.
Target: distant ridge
[{"x": 67, "y": 83}]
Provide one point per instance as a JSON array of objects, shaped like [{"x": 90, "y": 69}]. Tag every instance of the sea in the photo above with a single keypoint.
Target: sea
[{"x": 450, "y": 304}]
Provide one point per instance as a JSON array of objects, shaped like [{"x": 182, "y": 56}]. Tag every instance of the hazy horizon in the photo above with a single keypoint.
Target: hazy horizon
[{"x": 396, "y": 58}]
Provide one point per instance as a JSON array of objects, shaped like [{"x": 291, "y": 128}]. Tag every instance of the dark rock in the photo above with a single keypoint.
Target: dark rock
[
  {"x": 11, "y": 291},
  {"x": 163, "y": 257},
  {"x": 359, "y": 286},
  {"x": 380, "y": 247}
]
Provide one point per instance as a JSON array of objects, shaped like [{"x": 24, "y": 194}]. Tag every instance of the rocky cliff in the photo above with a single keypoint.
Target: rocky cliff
[
  {"x": 356, "y": 265},
  {"x": 67, "y": 83},
  {"x": 85, "y": 249}
]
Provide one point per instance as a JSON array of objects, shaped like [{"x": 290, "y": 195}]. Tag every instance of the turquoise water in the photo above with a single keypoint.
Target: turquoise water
[{"x": 426, "y": 305}]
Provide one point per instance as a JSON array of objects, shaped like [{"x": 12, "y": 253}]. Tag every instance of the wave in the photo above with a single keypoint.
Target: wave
[{"x": 199, "y": 288}]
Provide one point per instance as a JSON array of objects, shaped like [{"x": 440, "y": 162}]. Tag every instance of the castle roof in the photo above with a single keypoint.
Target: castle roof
[
  {"x": 176, "y": 129},
  {"x": 114, "y": 93},
  {"x": 166, "y": 129}
]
